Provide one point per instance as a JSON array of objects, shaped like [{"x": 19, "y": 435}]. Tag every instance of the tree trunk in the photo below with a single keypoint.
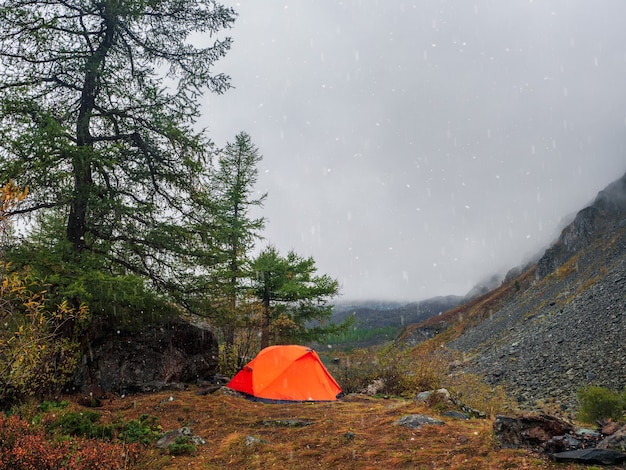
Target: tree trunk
[
  {"x": 265, "y": 326},
  {"x": 228, "y": 331},
  {"x": 77, "y": 219},
  {"x": 81, "y": 160}
]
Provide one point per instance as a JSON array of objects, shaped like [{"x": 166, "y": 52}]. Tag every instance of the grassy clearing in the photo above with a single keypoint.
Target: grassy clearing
[{"x": 357, "y": 432}]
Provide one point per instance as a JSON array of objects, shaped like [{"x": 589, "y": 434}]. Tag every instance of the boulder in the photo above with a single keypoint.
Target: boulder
[
  {"x": 441, "y": 395},
  {"x": 376, "y": 387},
  {"x": 561, "y": 440},
  {"x": 532, "y": 431},
  {"x": 148, "y": 360},
  {"x": 616, "y": 441}
]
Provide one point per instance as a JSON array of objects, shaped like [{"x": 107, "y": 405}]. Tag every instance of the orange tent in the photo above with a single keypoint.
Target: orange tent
[{"x": 286, "y": 373}]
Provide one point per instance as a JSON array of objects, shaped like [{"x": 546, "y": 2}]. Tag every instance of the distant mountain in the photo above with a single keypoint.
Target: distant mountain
[
  {"x": 383, "y": 314},
  {"x": 378, "y": 314},
  {"x": 554, "y": 325}
]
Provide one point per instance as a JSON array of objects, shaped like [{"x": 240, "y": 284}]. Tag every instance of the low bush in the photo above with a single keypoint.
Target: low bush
[
  {"x": 87, "y": 424},
  {"x": 472, "y": 391},
  {"x": 598, "y": 403},
  {"x": 403, "y": 371},
  {"x": 353, "y": 371},
  {"x": 406, "y": 371},
  {"x": 181, "y": 446},
  {"x": 26, "y": 447},
  {"x": 143, "y": 430},
  {"x": 82, "y": 424}
]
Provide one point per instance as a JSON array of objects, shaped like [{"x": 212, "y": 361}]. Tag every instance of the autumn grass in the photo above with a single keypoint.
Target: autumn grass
[{"x": 357, "y": 432}]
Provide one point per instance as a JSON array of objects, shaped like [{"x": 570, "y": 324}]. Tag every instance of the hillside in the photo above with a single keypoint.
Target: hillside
[{"x": 557, "y": 326}]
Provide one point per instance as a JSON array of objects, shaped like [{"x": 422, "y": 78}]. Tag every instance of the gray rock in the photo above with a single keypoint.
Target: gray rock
[
  {"x": 417, "y": 420},
  {"x": 586, "y": 433},
  {"x": 616, "y": 441},
  {"x": 562, "y": 444},
  {"x": 253, "y": 441},
  {"x": 440, "y": 395},
  {"x": 456, "y": 415},
  {"x": 170, "y": 437},
  {"x": 197, "y": 441}
]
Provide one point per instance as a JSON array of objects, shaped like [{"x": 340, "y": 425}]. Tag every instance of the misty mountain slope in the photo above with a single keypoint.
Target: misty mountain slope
[
  {"x": 387, "y": 314},
  {"x": 561, "y": 324}
]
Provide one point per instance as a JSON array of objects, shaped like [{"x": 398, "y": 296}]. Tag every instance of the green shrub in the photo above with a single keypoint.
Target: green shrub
[
  {"x": 87, "y": 424},
  {"x": 181, "y": 446},
  {"x": 143, "y": 430},
  {"x": 407, "y": 371},
  {"x": 46, "y": 406},
  {"x": 597, "y": 403},
  {"x": 83, "y": 424}
]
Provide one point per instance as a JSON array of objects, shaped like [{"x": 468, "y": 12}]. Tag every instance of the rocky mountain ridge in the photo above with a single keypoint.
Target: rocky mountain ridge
[{"x": 558, "y": 325}]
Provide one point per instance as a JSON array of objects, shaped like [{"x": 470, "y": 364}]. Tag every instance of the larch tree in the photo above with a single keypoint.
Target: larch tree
[
  {"x": 231, "y": 231},
  {"x": 295, "y": 300},
  {"x": 98, "y": 103}
]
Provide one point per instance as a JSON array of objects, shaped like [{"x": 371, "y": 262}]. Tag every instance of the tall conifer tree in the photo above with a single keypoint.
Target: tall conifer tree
[{"x": 98, "y": 101}]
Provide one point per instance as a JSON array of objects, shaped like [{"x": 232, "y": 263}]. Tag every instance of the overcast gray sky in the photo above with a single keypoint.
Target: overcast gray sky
[{"x": 414, "y": 148}]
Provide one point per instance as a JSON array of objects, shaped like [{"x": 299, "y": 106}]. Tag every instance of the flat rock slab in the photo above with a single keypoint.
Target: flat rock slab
[
  {"x": 286, "y": 423},
  {"x": 591, "y": 456},
  {"x": 416, "y": 421}
]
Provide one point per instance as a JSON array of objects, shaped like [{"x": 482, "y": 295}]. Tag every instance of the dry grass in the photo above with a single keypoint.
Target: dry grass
[{"x": 355, "y": 433}]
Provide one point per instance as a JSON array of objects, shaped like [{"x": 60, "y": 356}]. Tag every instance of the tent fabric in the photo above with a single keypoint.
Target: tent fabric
[{"x": 286, "y": 373}]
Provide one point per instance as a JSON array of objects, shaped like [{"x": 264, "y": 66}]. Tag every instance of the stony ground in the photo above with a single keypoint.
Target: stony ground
[
  {"x": 564, "y": 333},
  {"x": 567, "y": 329}
]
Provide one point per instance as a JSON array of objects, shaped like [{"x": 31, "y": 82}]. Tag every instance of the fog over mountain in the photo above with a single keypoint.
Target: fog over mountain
[{"x": 416, "y": 148}]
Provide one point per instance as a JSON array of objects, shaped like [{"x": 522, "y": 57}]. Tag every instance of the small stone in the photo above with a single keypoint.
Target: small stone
[
  {"x": 197, "y": 441},
  {"x": 252, "y": 441}
]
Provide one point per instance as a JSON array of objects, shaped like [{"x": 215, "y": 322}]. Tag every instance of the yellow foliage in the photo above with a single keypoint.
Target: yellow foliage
[
  {"x": 10, "y": 196},
  {"x": 34, "y": 356}
]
